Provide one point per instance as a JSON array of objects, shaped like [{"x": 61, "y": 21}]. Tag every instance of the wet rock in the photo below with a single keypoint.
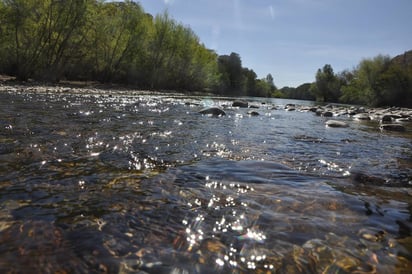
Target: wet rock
[
  {"x": 290, "y": 107},
  {"x": 213, "y": 111},
  {"x": 192, "y": 103},
  {"x": 403, "y": 119},
  {"x": 319, "y": 112},
  {"x": 396, "y": 116},
  {"x": 253, "y": 113},
  {"x": 386, "y": 119},
  {"x": 240, "y": 104},
  {"x": 392, "y": 127},
  {"x": 366, "y": 179},
  {"x": 362, "y": 116},
  {"x": 336, "y": 123},
  {"x": 40, "y": 246},
  {"x": 253, "y": 106},
  {"x": 327, "y": 114}
]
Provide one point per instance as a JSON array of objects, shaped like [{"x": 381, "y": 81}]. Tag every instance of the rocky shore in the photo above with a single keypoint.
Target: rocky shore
[{"x": 388, "y": 119}]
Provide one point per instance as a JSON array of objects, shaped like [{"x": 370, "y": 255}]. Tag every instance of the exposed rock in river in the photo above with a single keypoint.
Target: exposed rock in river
[
  {"x": 336, "y": 123},
  {"x": 392, "y": 127},
  {"x": 240, "y": 103},
  {"x": 327, "y": 114},
  {"x": 362, "y": 116},
  {"x": 214, "y": 111},
  {"x": 253, "y": 113}
]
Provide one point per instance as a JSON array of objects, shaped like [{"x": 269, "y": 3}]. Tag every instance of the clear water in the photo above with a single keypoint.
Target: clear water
[{"x": 136, "y": 182}]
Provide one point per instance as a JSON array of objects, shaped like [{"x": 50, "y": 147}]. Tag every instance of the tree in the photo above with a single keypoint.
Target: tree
[
  {"x": 364, "y": 84},
  {"x": 230, "y": 67},
  {"x": 326, "y": 88},
  {"x": 249, "y": 82},
  {"x": 40, "y": 35},
  {"x": 395, "y": 86},
  {"x": 270, "y": 81},
  {"x": 114, "y": 42}
]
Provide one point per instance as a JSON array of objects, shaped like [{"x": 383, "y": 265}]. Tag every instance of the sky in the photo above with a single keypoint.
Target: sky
[{"x": 292, "y": 39}]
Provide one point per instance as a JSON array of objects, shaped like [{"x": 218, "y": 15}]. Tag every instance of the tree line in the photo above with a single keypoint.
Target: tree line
[
  {"x": 378, "y": 81},
  {"x": 116, "y": 42}
]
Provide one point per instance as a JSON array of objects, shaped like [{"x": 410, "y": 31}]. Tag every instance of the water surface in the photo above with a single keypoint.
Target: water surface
[{"x": 136, "y": 182}]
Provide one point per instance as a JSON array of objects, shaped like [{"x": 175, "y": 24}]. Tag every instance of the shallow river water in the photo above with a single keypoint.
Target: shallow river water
[{"x": 135, "y": 182}]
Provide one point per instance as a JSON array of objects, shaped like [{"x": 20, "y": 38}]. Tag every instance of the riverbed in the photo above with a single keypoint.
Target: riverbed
[{"x": 124, "y": 181}]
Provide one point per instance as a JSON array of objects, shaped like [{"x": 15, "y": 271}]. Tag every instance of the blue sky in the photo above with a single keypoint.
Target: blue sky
[{"x": 291, "y": 39}]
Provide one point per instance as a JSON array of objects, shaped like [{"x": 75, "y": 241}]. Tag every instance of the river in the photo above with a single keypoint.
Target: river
[{"x": 118, "y": 181}]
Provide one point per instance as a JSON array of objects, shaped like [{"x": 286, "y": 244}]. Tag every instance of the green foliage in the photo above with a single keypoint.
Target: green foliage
[
  {"x": 326, "y": 87},
  {"x": 278, "y": 94},
  {"x": 105, "y": 41},
  {"x": 38, "y": 36},
  {"x": 395, "y": 87},
  {"x": 378, "y": 82},
  {"x": 118, "y": 42},
  {"x": 232, "y": 79},
  {"x": 302, "y": 92},
  {"x": 237, "y": 80},
  {"x": 115, "y": 42}
]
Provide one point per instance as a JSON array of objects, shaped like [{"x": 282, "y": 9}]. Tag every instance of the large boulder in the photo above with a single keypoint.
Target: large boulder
[{"x": 213, "y": 111}]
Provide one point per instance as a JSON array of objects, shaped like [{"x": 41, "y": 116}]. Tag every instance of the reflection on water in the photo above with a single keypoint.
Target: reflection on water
[{"x": 101, "y": 182}]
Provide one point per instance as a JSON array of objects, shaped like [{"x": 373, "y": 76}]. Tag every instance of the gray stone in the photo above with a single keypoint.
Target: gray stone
[
  {"x": 214, "y": 111},
  {"x": 404, "y": 119},
  {"x": 386, "y": 119},
  {"x": 362, "y": 116},
  {"x": 336, "y": 123},
  {"x": 240, "y": 103},
  {"x": 392, "y": 127},
  {"x": 253, "y": 113}
]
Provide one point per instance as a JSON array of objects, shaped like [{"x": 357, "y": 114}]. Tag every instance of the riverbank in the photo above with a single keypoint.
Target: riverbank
[{"x": 7, "y": 81}]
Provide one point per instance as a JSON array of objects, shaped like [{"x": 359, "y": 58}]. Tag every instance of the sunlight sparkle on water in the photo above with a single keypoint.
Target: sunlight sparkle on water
[{"x": 331, "y": 166}]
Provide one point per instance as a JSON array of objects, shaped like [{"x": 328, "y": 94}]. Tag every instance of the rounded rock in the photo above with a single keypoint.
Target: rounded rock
[
  {"x": 253, "y": 113},
  {"x": 240, "y": 103},
  {"x": 327, "y": 114},
  {"x": 362, "y": 116},
  {"x": 386, "y": 119},
  {"x": 392, "y": 127},
  {"x": 213, "y": 111},
  {"x": 336, "y": 123}
]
